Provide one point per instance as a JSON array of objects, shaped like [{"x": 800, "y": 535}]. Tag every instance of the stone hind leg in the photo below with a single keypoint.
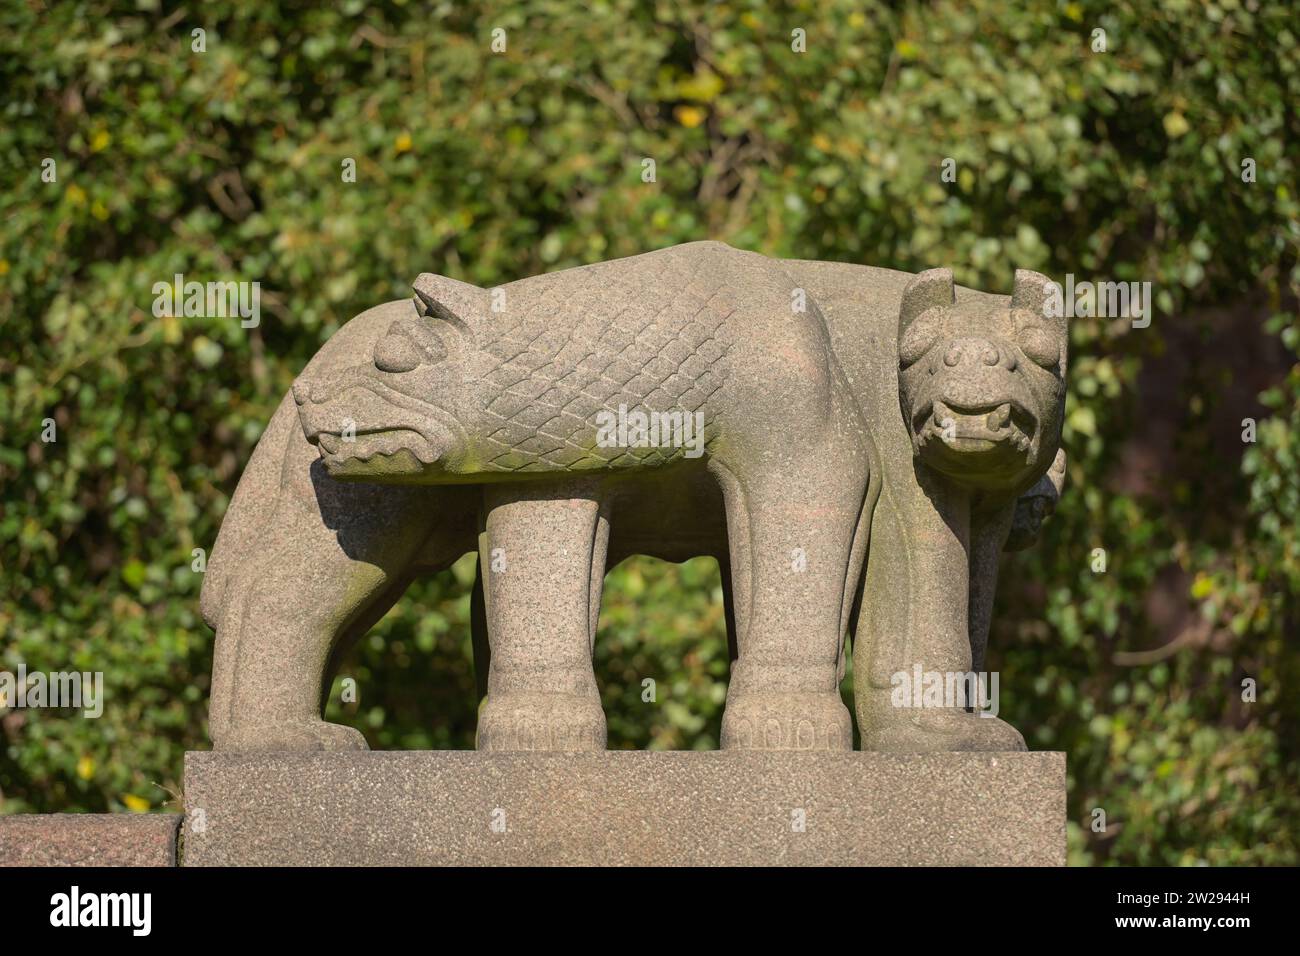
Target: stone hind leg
[
  {"x": 912, "y": 629},
  {"x": 542, "y": 552},
  {"x": 795, "y": 547},
  {"x": 373, "y": 612},
  {"x": 322, "y": 566}
]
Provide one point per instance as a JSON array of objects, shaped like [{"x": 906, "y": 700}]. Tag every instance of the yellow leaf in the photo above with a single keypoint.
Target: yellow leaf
[
  {"x": 403, "y": 143},
  {"x": 86, "y": 767},
  {"x": 76, "y": 195},
  {"x": 4, "y": 267},
  {"x": 703, "y": 86},
  {"x": 1121, "y": 740},
  {"x": 1176, "y": 124},
  {"x": 1202, "y": 587},
  {"x": 171, "y": 329},
  {"x": 906, "y": 49},
  {"x": 100, "y": 141},
  {"x": 138, "y": 804},
  {"x": 689, "y": 116}
]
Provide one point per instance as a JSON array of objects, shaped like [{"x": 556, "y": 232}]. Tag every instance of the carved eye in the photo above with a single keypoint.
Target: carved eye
[
  {"x": 916, "y": 341},
  {"x": 1040, "y": 347},
  {"x": 398, "y": 352}
]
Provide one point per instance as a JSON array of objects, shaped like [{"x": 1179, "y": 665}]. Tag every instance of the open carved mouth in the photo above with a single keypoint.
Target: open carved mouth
[
  {"x": 976, "y": 428},
  {"x": 367, "y": 446},
  {"x": 425, "y": 432}
]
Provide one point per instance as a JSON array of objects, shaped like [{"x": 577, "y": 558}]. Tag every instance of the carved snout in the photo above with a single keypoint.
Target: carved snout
[{"x": 979, "y": 352}]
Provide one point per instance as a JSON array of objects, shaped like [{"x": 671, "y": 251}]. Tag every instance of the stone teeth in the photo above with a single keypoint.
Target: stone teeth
[
  {"x": 388, "y": 444},
  {"x": 1000, "y": 417}
]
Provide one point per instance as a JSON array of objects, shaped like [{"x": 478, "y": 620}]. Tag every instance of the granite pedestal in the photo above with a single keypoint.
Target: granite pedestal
[
  {"x": 624, "y": 808},
  {"x": 89, "y": 839}
]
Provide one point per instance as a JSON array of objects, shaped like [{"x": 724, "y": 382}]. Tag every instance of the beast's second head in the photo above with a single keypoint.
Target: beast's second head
[
  {"x": 401, "y": 416},
  {"x": 982, "y": 386}
]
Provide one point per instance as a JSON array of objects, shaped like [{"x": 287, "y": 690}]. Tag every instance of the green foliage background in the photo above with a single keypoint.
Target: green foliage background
[{"x": 226, "y": 164}]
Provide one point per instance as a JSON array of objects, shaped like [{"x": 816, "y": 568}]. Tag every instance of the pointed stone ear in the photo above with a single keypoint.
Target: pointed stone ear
[
  {"x": 1034, "y": 292},
  {"x": 457, "y": 303},
  {"x": 927, "y": 290},
  {"x": 1042, "y": 298}
]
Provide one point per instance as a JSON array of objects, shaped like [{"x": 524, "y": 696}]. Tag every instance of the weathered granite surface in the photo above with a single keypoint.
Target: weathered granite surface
[
  {"x": 89, "y": 839},
  {"x": 625, "y": 808},
  {"x": 838, "y": 405}
]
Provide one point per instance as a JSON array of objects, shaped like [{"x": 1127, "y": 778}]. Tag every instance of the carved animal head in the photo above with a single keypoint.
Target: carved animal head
[
  {"x": 400, "y": 417},
  {"x": 982, "y": 388}
]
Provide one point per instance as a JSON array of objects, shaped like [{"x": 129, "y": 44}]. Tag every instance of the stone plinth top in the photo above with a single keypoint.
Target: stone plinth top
[{"x": 625, "y": 808}]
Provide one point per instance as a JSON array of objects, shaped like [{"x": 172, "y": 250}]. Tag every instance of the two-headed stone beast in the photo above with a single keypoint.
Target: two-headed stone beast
[{"x": 865, "y": 460}]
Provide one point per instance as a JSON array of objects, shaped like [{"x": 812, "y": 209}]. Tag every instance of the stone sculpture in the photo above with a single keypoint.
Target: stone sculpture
[{"x": 868, "y": 441}]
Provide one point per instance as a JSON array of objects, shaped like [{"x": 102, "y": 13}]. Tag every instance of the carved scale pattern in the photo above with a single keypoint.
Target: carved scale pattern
[{"x": 570, "y": 344}]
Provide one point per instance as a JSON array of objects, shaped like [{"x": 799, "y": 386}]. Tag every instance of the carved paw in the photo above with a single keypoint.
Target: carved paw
[
  {"x": 544, "y": 722},
  {"x": 293, "y": 736},
  {"x": 939, "y": 731},
  {"x": 788, "y": 721}
]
